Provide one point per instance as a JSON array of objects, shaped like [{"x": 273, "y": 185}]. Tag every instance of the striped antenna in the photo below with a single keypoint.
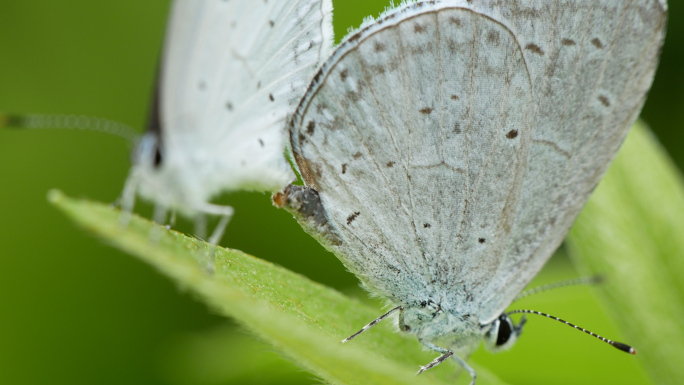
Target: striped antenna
[
  {"x": 79, "y": 122},
  {"x": 593, "y": 280},
  {"x": 619, "y": 345}
]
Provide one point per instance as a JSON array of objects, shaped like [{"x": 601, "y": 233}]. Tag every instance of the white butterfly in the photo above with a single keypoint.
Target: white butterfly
[
  {"x": 448, "y": 147},
  {"x": 232, "y": 71}
]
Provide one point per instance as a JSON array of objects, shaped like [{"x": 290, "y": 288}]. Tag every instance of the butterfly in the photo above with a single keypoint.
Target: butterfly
[
  {"x": 232, "y": 72},
  {"x": 448, "y": 146}
]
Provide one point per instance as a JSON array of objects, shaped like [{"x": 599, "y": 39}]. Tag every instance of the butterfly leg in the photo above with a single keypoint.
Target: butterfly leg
[
  {"x": 402, "y": 325},
  {"x": 172, "y": 220},
  {"x": 219, "y": 230},
  {"x": 376, "y": 321},
  {"x": 467, "y": 367},
  {"x": 446, "y": 353},
  {"x": 201, "y": 226},
  {"x": 127, "y": 198},
  {"x": 226, "y": 213},
  {"x": 159, "y": 216}
]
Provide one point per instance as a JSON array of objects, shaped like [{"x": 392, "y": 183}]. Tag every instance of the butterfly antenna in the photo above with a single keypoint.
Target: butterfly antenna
[
  {"x": 593, "y": 280},
  {"x": 619, "y": 345},
  {"x": 63, "y": 121}
]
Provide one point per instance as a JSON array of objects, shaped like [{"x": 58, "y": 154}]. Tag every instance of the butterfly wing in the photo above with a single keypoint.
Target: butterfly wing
[
  {"x": 452, "y": 145},
  {"x": 592, "y": 64},
  {"x": 416, "y": 136},
  {"x": 232, "y": 72}
]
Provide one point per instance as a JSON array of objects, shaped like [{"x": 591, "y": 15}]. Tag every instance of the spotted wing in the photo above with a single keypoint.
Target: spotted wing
[
  {"x": 454, "y": 143},
  {"x": 592, "y": 64},
  {"x": 232, "y": 72},
  {"x": 416, "y": 135}
]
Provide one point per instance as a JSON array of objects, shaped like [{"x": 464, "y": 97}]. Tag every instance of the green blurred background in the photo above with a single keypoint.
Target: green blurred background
[{"x": 75, "y": 311}]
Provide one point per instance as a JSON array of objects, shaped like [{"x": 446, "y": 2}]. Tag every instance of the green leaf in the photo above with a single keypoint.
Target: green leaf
[
  {"x": 632, "y": 230},
  {"x": 303, "y": 319}
]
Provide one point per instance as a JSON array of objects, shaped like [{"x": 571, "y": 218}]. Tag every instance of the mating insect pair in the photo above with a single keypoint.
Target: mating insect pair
[{"x": 446, "y": 147}]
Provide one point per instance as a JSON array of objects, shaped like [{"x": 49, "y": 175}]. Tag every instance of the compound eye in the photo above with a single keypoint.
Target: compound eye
[
  {"x": 157, "y": 155},
  {"x": 148, "y": 151},
  {"x": 503, "y": 334}
]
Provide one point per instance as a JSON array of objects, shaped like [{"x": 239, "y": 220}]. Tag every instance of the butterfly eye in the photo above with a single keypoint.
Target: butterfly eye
[
  {"x": 149, "y": 151},
  {"x": 157, "y": 154},
  {"x": 504, "y": 331}
]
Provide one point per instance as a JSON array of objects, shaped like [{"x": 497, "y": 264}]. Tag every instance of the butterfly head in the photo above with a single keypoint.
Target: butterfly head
[
  {"x": 148, "y": 153},
  {"x": 502, "y": 333},
  {"x": 155, "y": 176}
]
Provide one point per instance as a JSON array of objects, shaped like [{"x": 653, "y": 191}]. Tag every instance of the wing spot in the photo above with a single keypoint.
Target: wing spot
[
  {"x": 343, "y": 74},
  {"x": 357, "y": 155},
  {"x": 597, "y": 43},
  {"x": 271, "y": 23},
  {"x": 456, "y": 21},
  {"x": 270, "y": 96},
  {"x": 512, "y": 134},
  {"x": 344, "y": 168},
  {"x": 604, "y": 100},
  {"x": 229, "y": 106},
  {"x": 454, "y": 97},
  {"x": 390, "y": 164},
  {"x": 426, "y": 110},
  {"x": 493, "y": 37},
  {"x": 535, "y": 49},
  {"x": 417, "y": 28},
  {"x": 568, "y": 42},
  {"x": 427, "y": 225},
  {"x": 351, "y": 218},
  {"x": 457, "y": 128},
  {"x": 261, "y": 142},
  {"x": 258, "y": 84},
  {"x": 395, "y": 270},
  {"x": 310, "y": 127},
  {"x": 481, "y": 240},
  {"x": 379, "y": 47},
  {"x": 353, "y": 96},
  {"x": 202, "y": 85}
]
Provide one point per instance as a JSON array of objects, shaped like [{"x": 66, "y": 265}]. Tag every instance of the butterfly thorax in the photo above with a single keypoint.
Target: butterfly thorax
[{"x": 434, "y": 323}]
